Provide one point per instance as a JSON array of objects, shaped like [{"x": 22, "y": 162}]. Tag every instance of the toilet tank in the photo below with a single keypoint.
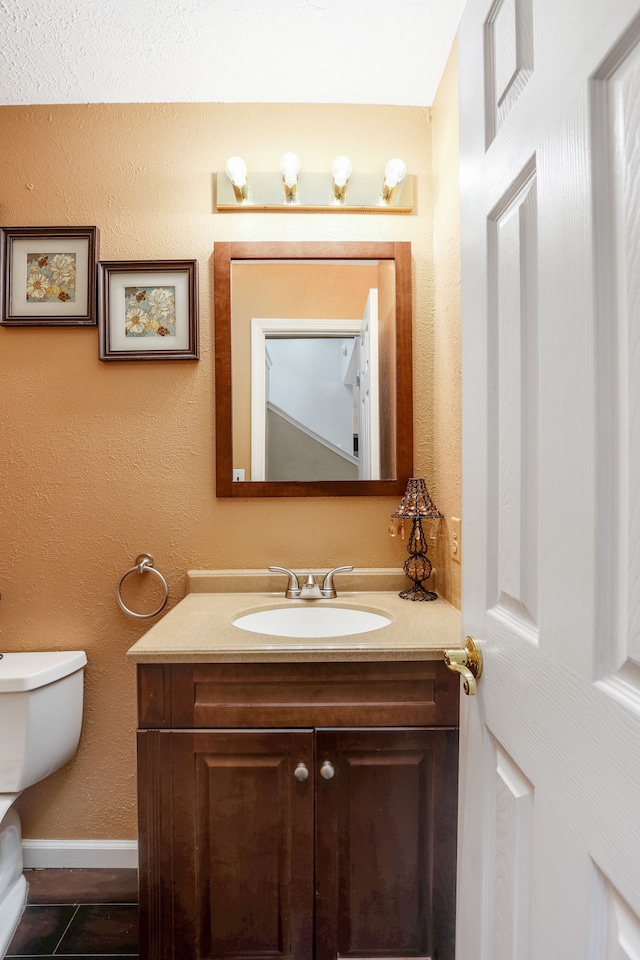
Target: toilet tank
[{"x": 41, "y": 698}]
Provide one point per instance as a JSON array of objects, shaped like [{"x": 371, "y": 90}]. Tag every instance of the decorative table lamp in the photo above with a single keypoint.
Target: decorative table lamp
[{"x": 417, "y": 505}]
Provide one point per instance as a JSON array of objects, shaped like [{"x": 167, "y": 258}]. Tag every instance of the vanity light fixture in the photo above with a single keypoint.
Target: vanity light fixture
[
  {"x": 394, "y": 173},
  {"x": 290, "y": 168},
  {"x": 341, "y": 170},
  {"x": 236, "y": 170},
  {"x": 417, "y": 505},
  {"x": 294, "y": 189}
]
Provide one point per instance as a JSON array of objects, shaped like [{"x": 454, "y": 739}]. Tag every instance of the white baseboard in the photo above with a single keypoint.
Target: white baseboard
[{"x": 113, "y": 854}]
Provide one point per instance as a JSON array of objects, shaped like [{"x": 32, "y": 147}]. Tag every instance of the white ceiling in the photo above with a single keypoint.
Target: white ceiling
[{"x": 255, "y": 51}]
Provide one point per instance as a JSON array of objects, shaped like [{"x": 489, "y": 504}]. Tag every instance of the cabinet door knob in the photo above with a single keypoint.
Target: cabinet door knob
[
  {"x": 301, "y": 772},
  {"x": 327, "y": 770}
]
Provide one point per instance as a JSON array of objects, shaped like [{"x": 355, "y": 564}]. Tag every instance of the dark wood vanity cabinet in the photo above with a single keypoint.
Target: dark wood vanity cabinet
[{"x": 301, "y": 810}]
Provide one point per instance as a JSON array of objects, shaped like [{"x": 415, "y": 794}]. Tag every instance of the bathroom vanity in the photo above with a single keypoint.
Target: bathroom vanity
[{"x": 297, "y": 798}]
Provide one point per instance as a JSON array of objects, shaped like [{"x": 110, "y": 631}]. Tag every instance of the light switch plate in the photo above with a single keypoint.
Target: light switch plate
[{"x": 456, "y": 539}]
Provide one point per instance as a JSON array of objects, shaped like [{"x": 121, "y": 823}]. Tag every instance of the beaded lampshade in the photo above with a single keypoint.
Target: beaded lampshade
[
  {"x": 417, "y": 505},
  {"x": 416, "y": 502}
]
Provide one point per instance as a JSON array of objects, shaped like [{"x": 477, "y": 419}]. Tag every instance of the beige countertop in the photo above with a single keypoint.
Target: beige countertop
[{"x": 200, "y": 628}]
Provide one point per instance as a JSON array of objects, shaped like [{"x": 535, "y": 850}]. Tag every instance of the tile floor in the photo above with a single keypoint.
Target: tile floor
[{"x": 79, "y": 913}]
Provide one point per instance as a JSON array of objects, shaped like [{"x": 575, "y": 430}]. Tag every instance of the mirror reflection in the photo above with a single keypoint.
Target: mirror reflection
[
  {"x": 314, "y": 369},
  {"x": 313, "y": 384},
  {"x": 311, "y": 410}
]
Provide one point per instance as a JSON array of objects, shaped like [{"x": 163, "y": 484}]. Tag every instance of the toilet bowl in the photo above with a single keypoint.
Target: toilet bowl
[{"x": 40, "y": 720}]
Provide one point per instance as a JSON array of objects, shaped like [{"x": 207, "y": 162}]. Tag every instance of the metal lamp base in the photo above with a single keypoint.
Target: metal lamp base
[{"x": 418, "y": 593}]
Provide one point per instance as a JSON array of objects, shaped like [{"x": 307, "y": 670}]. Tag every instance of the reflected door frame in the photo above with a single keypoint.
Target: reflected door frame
[{"x": 261, "y": 328}]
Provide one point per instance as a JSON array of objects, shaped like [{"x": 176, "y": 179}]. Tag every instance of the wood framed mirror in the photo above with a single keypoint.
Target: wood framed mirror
[{"x": 313, "y": 366}]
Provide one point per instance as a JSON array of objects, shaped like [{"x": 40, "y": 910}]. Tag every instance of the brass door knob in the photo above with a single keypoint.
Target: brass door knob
[{"x": 466, "y": 662}]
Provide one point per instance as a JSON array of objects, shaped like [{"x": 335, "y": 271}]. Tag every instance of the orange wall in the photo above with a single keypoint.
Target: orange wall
[
  {"x": 105, "y": 460},
  {"x": 444, "y": 456}
]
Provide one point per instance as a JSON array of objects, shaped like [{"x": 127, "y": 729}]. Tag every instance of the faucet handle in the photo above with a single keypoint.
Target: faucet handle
[
  {"x": 293, "y": 590},
  {"x": 328, "y": 589}
]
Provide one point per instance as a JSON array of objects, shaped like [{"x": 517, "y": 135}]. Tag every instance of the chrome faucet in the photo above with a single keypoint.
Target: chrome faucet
[
  {"x": 293, "y": 590},
  {"x": 327, "y": 589},
  {"x": 310, "y": 590}
]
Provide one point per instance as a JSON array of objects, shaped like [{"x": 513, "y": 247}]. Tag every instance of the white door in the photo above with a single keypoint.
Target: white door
[
  {"x": 549, "y": 825},
  {"x": 368, "y": 393}
]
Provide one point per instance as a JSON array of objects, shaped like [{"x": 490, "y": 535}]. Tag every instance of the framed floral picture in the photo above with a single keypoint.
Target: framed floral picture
[
  {"x": 148, "y": 309},
  {"x": 48, "y": 276}
]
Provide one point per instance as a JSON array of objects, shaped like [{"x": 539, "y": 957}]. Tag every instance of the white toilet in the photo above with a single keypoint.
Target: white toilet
[{"x": 40, "y": 720}]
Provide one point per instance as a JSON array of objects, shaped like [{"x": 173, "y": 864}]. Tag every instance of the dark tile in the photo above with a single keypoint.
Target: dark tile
[
  {"x": 102, "y": 929},
  {"x": 82, "y": 886},
  {"x": 40, "y": 930}
]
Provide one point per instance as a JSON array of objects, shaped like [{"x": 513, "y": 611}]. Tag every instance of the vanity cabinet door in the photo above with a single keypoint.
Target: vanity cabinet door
[
  {"x": 386, "y": 816},
  {"x": 240, "y": 836}
]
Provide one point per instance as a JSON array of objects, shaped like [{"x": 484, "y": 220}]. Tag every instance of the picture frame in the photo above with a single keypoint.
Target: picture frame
[
  {"x": 148, "y": 309},
  {"x": 48, "y": 276}
]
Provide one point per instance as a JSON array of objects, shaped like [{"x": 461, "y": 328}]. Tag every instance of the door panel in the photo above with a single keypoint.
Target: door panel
[
  {"x": 509, "y": 58},
  {"x": 511, "y": 835},
  {"x": 513, "y": 337},
  {"x": 369, "y": 392},
  {"x": 623, "y": 934},
  {"x": 385, "y": 827},
  {"x": 550, "y": 188},
  {"x": 616, "y": 125}
]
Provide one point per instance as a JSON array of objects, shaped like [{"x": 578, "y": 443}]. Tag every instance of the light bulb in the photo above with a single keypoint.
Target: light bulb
[
  {"x": 236, "y": 170},
  {"x": 290, "y": 168},
  {"x": 394, "y": 172},
  {"x": 341, "y": 171}
]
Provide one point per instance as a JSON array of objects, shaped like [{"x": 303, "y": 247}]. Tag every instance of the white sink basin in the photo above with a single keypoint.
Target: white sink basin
[{"x": 311, "y": 621}]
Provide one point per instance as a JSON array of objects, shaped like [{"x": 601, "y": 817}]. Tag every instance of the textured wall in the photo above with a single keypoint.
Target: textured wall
[
  {"x": 102, "y": 461},
  {"x": 445, "y": 390}
]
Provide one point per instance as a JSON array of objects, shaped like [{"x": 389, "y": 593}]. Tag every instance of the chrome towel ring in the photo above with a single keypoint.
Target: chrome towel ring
[{"x": 143, "y": 564}]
